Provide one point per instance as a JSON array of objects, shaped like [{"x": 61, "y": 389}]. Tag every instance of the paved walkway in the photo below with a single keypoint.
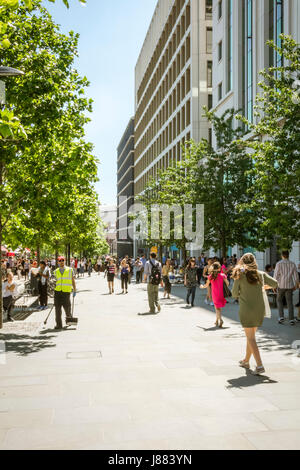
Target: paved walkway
[{"x": 123, "y": 381}]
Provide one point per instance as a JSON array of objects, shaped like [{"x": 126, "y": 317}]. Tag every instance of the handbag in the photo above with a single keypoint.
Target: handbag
[
  {"x": 268, "y": 313},
  {"x": 226, "y": 291}
]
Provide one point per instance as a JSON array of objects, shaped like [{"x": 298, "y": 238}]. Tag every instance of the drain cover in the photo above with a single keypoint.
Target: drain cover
[{"x": 84, "y": 355}]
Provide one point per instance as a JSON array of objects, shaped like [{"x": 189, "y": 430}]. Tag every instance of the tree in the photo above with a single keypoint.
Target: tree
[
  {"x": 215, "y": 178},
  {"x": 274, "y": 196},
  {"x": 47, "y": 179}
]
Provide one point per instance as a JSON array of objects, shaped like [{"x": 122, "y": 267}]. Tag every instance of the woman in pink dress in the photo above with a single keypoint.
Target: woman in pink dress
[{"x": 216, "y": 280}]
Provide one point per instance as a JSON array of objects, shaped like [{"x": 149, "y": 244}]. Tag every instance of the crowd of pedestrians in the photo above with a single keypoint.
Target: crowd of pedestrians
[{"x": 215, "y": 275}]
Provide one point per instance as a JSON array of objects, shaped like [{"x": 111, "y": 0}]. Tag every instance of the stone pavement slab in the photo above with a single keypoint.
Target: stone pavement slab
[{"x": 123, "y": 381}]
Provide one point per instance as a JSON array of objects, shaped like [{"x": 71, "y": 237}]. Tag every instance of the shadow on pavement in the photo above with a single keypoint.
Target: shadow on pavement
[
  {"x": 275, "y": 337},
  {"x": 249, "y": 380},
  {"x": 214, "y": 328},
  {"x": 23, "y": 345}
]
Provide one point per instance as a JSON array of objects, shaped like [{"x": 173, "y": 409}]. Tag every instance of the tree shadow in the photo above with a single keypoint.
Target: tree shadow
[
  {"x": 249, "y": 380},
  {"x": 24, "y": 345}
]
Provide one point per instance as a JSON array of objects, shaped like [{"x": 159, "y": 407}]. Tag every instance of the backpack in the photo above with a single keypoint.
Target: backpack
[{"x": 155, "y": 276}]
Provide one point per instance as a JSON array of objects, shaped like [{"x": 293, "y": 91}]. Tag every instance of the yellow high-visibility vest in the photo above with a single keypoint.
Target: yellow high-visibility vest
[{"x": 64, "y": 281}]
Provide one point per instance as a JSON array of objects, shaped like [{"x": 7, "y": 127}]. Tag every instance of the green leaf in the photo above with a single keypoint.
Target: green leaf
[{"x": 5, "y": 43}]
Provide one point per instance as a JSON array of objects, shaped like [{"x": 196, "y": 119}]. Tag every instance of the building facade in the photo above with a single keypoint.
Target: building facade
[
  {"x": 241, "y": 29},
  {"x": 125, "y": 191},
  {"x": 108, "y": 216},
  {"x": 173, "y": 81}
]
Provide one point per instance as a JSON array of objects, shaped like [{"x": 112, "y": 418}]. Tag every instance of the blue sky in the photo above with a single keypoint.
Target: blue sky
[{"x": 111, "y": 35}]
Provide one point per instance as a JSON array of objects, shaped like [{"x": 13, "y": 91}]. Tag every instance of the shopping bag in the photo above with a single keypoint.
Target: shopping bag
[{"x": 268, "y": 313}]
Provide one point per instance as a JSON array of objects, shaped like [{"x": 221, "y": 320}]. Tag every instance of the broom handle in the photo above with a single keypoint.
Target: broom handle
[{"x": 73, "y": 306}]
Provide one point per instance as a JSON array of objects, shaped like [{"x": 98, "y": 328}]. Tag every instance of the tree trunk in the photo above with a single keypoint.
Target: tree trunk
[
  {"x": 69, "y": 254},
  {"x": 38, "y": 253},
  {"x": 223, "y": 246},
  {"x": 1, "y": 302},
  {"x": 56, "y": 255},
  {"x": 161, "y": 251}
]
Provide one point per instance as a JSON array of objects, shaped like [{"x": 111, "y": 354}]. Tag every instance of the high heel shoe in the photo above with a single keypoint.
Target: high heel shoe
[
  {"x": 221, "y": 324},
  {"x": 217, "y": 323}
]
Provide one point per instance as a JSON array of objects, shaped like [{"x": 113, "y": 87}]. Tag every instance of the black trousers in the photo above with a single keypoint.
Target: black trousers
[
  {"x": 168, "y": 285},
  {"x": 199, "y": 275},
  {"x": 124, "y": 281},
  {"x": 7, "y": 305},
  {"x": 62, "y": 299},
  {"x": 138, "y": 276},
  {"x": 191, "y": 291},
  {"x": 43, "y": 294}
]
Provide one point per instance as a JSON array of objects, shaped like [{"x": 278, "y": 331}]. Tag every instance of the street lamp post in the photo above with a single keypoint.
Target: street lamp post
[{"x": 4, "y": 73}]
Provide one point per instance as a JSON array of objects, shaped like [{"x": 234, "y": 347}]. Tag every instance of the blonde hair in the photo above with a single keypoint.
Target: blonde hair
[
  {"x": 214, "y": 270},
  {"x": 247, "y": 265}
]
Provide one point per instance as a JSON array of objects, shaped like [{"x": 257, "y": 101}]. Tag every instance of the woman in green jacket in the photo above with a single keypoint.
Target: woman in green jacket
[{"x": 248, "y": 287}]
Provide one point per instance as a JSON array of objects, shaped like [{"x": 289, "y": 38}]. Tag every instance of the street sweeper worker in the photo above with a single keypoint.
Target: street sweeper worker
[{"x": 65, "y": 284}]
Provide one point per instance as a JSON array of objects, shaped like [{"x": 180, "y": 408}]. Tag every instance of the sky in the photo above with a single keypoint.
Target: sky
[{"x": 112, "y": 33}]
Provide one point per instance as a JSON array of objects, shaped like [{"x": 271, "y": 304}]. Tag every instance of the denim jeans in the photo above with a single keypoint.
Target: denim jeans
[{"x": 288, "y": 293}]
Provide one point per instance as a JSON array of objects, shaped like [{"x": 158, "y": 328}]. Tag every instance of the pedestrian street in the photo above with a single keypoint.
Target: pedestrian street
[{"x": 126, "y": 381}]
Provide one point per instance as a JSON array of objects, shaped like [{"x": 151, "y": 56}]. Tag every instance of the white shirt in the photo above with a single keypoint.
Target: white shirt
[
  {"x": 46, "y": 271},
  {"x": 6, "y": 292},
  {"x": 286, "y": 274}
]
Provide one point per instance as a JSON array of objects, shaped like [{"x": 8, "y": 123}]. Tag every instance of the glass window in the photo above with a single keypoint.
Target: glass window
[
  {"x": 249, "y": 59},
  {"x": 220, "y": 93},
  {"x": 209, "y": 73},
  {"x": 230, "y": 47},
  {"x": 209, "y": 40},
  {"x": 210, "y": 101},
  {"x": 220, "y": 50},
  {"x": 208, "y": 10},
  {"x": 220, "y": 8}
]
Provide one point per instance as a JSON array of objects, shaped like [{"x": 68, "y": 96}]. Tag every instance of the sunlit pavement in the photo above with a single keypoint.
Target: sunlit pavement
[{"x": 124, "y": 381}]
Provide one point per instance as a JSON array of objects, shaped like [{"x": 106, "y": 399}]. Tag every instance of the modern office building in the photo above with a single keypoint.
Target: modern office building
[
  {"x": 173, "y": 81},
  {"x": 241, "y": 29},
  {"x": 108, "y": 216},
  {"x": 125, "y": 189}
]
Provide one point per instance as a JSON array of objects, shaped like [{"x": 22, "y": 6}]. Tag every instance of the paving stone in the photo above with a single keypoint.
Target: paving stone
[
  {"x": 281, "y": 420},
  {"x": 93, "y": 414},
  {"x": 13, "y": 419},
  {"x": 167, "y": 382},
  {"x": 287, "y": 440},
  {"x": 51, "y": 437},
  {"x": 215, "y": 425}
]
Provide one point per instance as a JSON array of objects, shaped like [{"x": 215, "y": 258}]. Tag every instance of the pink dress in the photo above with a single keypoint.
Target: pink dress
[{"x": 217, "y": 290}]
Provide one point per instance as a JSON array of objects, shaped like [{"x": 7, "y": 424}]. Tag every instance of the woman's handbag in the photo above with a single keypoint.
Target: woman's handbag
[
  {"x": 268, "y": 313},
  {"x": 226, "y": 291}
]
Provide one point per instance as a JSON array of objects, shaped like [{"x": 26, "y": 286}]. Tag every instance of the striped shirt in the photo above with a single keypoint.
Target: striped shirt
[{"x": 286, "y": 274}]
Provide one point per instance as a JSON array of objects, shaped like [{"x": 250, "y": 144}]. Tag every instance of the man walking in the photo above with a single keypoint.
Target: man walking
[
  {"x": 152, "y": 273},
  {"x": 138, "y": 269},
  {"x": 65, "y": 283},
  {"x": 287, "y": 276}
]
